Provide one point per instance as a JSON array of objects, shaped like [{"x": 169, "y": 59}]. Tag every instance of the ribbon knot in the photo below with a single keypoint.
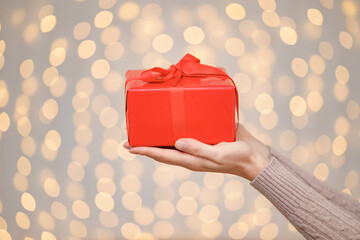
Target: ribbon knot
[{"x": 188, "y": 66}]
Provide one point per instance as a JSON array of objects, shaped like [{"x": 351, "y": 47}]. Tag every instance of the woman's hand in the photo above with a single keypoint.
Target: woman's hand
[{"x": 246, "y": 157}]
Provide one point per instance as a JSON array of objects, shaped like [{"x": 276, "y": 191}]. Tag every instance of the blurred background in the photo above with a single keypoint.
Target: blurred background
[{"x": 63, "y": 171}]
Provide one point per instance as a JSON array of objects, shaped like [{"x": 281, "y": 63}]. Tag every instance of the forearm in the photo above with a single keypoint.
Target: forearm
[
  {"x": 337, "y": 197},
  {"x": 312, "y": 214}
]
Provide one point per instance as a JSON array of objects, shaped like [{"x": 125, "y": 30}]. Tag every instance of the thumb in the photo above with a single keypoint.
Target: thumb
[{"x": 196, "y": 148}]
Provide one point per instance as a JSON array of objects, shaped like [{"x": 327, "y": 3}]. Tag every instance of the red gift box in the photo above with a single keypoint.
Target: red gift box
[{"x": 188, "y": 100}]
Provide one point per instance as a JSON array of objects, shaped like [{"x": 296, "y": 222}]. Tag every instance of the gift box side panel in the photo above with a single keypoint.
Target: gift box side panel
[
  {"x": 210, "y": 114},
  {"x": 149, "y": 117}
]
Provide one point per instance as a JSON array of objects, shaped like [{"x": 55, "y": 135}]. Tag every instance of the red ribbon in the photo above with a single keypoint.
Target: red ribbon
[{"x": 188, "y": 66}]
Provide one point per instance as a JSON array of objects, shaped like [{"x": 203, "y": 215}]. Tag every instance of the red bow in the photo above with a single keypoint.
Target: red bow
[{"x": 189, "y": 66}]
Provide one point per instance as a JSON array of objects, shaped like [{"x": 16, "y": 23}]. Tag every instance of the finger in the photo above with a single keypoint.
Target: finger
[
  {"x": 196, "y": 148},
  {"x": 174, "y": 157},
  {"x": 126, "y": 145}
]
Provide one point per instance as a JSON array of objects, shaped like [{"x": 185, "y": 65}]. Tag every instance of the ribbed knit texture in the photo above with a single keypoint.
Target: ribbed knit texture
[{"x": 315, "y": 209}]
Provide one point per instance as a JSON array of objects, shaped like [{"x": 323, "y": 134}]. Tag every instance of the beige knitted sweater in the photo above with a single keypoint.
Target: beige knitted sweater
[{"x": 317, "y": 210}]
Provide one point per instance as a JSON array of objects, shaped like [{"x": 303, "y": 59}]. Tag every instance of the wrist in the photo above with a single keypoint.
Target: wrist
[{"x": 259, "y": 159}]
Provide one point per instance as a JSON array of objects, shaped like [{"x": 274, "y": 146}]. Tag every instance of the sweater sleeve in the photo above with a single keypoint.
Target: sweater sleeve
[{"x": 314, "y": 208}]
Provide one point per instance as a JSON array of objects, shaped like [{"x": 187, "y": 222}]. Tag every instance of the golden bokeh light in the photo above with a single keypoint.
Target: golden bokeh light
[
  {"x": 341, "y": 91},
  {"x": 314, "y": 101},
  {"x": 5, "y": 235},
  {"x": 31, "y": 33},
  {"x": 269, "y": 231},
  {"x": 327, "y": 3},
  {"x": 26, "y": 68},
  {"x": 30, "y": 86},
  {"x": 342, "y": 126},
  {"x": 50, "y": 109},
  {"x": 62, "y": 116},
  {"x": 108, "y": 219},
  {"x": 297, "y": 106},
  {"x": 270, "y": 18},
  {"x": 50, "y": 76},
  {"x": 130, "y": 183},
  {"x": 164, "y": 209},
  {"x": 144, "y": 216},
  {"x": 100, "y": 68},
  {"x": 131, "y": 201},
  {"x": 18, "y": 16},
  {"x": 234, "y": 201},
  {"x": 81, "y": 209},
  {"x": 349, "y": 7},
  {"x": 267, "y": 5},
  {"x": 114, "y": 51},
  {"x": 46, "y": 11},
  {"x": 4, "y": 121},
  {"x": 46, "y": 221},
  {"x": 28, "y": 202},
  {"x": 103, "y": 19},
  {"x": 326, "y": 50},
  {"x": 317, "y": 64},
  {"x": 75, "y": 171},
  {"x": 300, "y": 122},
  {"x": 238, "y": 230},
  {"x": 351, "y": 179},
  {"x": 194, "y": 35},
  {"x": 339, "y": 145},
  {"x": 106, "y": 4},
  {"x": 235, "y": 46},
  {"x": 321, "y": 172},
  {"x": 128, "y": 11},
  {"x": 130, "y": 230},
  {"x": 51, "y": 187},
  {"x": 109, "y": 149},
  {"x": 213, "y": 180},
  {"x": 24, "y": 166},
  {"x": 104, "y": 201},
  {"x": 264, "y": 103},
  {"x": 346, "y": 40},
  {"x": 106, "y": 185},
  {"x": 28, "y": 146},
  {"x": 48, "y": 23},
  {"x": 235, "y": 11},
  {"x": 81, "y": 30},
  {"x": 186, "y": 206},
  {"x": 57, "y": 56},
  {"x": 86, "y": 49},
  {"x": 342, "y": 74},
  {"x": 45, "y": 235},
  {"x": 247, "y": 27},
  {"x": 269, "y": 120},
  {"x": 163, "y": 229},
  {"x": 353, "y": 110},
  {"x": 78, "y": 229},
  {"x": 81, "y": 101},
  {"x": 58, "y": 210},
  {"x": 261, "y": 38},
  {"x": 80, "y": 154},
  {"x": 315, "y": 16},
  {"x": 22, "y": 220},
  {"x": 53, "y": 140},
  {"x": 189, "y": 189},
  {"x": 162, "y": 43}
]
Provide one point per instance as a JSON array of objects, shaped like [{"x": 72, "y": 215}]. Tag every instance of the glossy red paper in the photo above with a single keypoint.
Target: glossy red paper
[{"x": 157, "y": 114}]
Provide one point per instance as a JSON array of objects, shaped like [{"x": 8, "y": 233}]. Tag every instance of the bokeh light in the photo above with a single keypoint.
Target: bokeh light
[{"x": 63, "y": 126}]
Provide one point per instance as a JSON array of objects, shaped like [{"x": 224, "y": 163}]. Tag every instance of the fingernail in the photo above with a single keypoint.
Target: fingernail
[{"x": 181, "y": 145}]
